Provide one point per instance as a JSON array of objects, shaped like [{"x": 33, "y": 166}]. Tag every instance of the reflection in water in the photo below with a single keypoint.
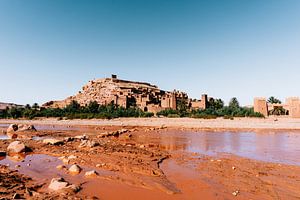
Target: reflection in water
[
  {"x": 4, "y": 137},
  {"x": 268, "y": 146}
]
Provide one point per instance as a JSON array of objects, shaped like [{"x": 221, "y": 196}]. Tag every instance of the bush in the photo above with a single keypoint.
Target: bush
[{"x": 173, "y": 116}]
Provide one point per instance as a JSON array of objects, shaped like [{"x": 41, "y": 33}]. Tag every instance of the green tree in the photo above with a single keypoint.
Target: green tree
[
  {"x": 15, "y": 112},
  {"x": 73, "y": 107},
  {"x": 35, "y": 106},
  {"x": 234, "y": 103},
  {"x": 215, "y": 104},
  {"x": 93, "y": 107},
  {"x": 273, "y": 100}
]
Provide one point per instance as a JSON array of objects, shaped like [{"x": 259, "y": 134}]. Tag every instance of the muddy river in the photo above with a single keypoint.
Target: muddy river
[{"x": 272, "y": 147}]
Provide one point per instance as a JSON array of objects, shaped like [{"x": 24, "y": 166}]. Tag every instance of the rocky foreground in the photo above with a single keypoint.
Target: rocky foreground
[
  {"x": 110, "y": 150},
  {"x": 113, "y": 162}
]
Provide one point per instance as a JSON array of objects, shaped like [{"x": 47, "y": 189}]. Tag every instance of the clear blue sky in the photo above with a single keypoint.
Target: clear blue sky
[{"x": 50, "y": 48}]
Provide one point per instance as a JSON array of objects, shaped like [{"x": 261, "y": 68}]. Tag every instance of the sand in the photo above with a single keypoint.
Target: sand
[{"x": 271, "y": 123}]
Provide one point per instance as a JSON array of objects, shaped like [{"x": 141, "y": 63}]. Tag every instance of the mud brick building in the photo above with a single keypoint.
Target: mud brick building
[
  {"x": 128, "y": 93},
  {"x": 292, "y": 106}
]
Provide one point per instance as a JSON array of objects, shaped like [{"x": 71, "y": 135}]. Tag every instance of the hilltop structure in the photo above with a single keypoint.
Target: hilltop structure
[
  {"x": 129, "y": 93},
  {"x": 291, "y": 106}
]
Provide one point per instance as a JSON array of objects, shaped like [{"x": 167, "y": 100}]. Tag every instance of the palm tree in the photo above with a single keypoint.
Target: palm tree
[{"x": 273, "y": 100}]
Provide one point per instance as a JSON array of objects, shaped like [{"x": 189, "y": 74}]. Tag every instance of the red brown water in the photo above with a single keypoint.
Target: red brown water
[{"x": 279, "y": 147}]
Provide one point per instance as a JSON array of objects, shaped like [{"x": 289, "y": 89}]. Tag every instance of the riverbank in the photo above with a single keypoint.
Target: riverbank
[
  {"x": 220, "y": 124},
  {"x": 150, "y": 163}
]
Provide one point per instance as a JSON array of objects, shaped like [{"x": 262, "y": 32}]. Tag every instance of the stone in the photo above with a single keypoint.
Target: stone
[
  {"x": 123, "y": 131},
  {"x": 26, "y": 127},
  {"x": 53, "y": 141},
  {"x": 69, "y": 139},
  {"x": 12, "y": 128},
  {"x": 81, "y": 137},
  {"x": 16, "y": 147},
  {"x": 72, "y": 157},
  {"x": 235, "y": 193},
  {"x": 2, "y": 153},
  {"x": 74, "y": 169},
  {"x": 60, "y": 167},
  {"x": 66, "y": 161},
  {"x": 92, "y": 173},
  {"x": 59, "y": 185},
  {"x": 87, "y": 143}
]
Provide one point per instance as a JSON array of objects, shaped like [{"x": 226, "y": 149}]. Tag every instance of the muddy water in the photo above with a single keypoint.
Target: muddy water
[{"x": 271, "y": 147}]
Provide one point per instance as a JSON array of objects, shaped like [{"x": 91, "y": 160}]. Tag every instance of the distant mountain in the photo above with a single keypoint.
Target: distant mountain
[{"x": 3, "y": 106}]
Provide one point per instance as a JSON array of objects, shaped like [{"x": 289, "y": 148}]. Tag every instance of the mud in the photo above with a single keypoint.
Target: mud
[{"x": 155, "y": 163}]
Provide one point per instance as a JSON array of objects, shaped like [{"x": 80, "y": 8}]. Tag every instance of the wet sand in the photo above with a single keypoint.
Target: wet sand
[{"x": 159, "y": 163}]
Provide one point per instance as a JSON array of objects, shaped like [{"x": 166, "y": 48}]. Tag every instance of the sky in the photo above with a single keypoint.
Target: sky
[{"x": 226, "y": 48}]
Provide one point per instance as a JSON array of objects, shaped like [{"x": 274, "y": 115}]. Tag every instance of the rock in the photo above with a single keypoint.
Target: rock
[
  {"x": 69, "y": 139},
  {"x": 92, "y": 173},
  {"x": 235, "y": 193},
  {"x": 60, "y": 167},
  {"x": 75, "y": 169},
  {"x": 233, "y": 168},
  {"x": 128, "y": 136},
  {"x": 66, "y": 161},
  {"x": 12, "y": 128},
  {"x": 17, "y": 196},
  {"x": 59, "y": 184},
  {"x": 123, "y": 131},
  {"x": 17, "y": 157},
  {"x": 26, "y": 127},
  {"x": 53, "y": 141},
  {"x": 87, "y": 143},
  {"x": 81, "y": 137},
  {"x": 16, "y": 147},
  {"x": 72, "y": 157},
  {"x": 20, "y": 127},
  {"x": 142, "y": 146},
  {"x": 15, "y": 131}
]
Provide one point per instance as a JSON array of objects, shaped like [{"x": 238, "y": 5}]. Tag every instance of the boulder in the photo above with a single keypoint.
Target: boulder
[
  {"x": 12, "y": 128},
  {"x": 92, "y": 173},
  {"x": 53, "y": 141},
  {"x": 75, "y": 169},
  {"x": 20, "y": 127},
  {"x": 88, "y": 143},
  {"x": 16, "y": 147},
  {"x": 26, "y": 127},
  {"x": 60, "y": 185},
  {"x": 19, "y": 130}
]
